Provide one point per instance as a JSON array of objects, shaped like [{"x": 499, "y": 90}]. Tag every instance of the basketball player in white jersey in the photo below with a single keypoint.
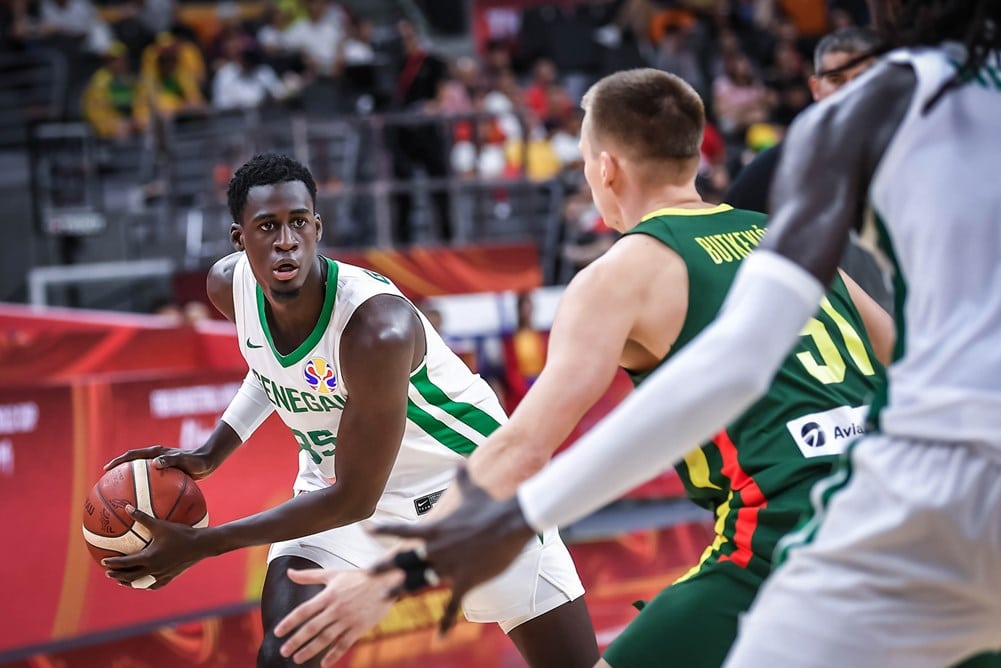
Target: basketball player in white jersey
[
  {"x": 381, "y": 409},
  {"x": 901, "y": 566}
]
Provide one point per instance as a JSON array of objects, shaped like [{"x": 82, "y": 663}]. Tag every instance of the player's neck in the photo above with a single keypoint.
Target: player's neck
[
  {"x": 292, "y": 319},
  {"x": 669, "y": 196}
]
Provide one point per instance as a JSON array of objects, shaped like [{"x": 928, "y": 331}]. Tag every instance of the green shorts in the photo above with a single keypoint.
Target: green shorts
[{"x": 691, "y": 623}]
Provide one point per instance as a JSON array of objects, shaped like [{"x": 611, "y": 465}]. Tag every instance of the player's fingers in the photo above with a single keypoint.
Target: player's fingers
[
  {"x": 138, "y": 453},
  {"x": 191, "y": 464},
  {"x": 166, "y": 461},
  {"x": 463, "y": 481},
  {"x": 306, "y": 627},
  {"x": 333, "y": 655},
  {"x": 303, "y": 612},
  {"x": 383, "y": 566},
  {"x": 395, "y": 592},
  {"x": 307, "y": 576},
  {"x": 126, "y": 562},
  {"x": 313, "y": 626},
  {"x": 321, "y": 641},
  {"x": 451, "y": 611},
  {"x": 124, "y": 576},
  {"x": 339, "y": 649},
  {"x": 142, "y": 518}
]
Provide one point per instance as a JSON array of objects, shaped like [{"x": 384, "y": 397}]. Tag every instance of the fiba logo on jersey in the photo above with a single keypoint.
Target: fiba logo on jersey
[
  {"x": 319, "y": 375},
  {"x": 813, "y": 435}
]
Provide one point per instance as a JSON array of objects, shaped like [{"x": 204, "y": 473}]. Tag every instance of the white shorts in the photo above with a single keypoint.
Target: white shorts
[
  {"x": 903, "y": 570},
  {"x": 542, "y": 578}
]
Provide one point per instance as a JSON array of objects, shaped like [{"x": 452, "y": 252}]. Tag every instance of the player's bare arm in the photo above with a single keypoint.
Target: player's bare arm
[
  {"x": 219, "y": 285},
  {"x": 223, "y": 441},
  {"x": 879, "y": 327},
  {"x": 605, "y": 319},
  {"x": 382, "y": 343}
]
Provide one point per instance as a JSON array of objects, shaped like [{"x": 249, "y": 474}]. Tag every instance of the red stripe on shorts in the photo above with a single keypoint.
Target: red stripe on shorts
[{"x": 752, "y": 500}]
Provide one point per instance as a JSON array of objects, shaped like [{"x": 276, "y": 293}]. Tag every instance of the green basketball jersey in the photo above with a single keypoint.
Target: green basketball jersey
[{"x": 756, "y": 474}]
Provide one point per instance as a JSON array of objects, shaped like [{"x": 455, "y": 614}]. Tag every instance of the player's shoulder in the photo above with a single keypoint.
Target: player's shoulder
[
  {"x": 370, "y": 301},
  {"x": 349, "y": 273},
  {"x": 629, "y": 267},
  {"x": 357, "y": 285},
  {"x": 219, "y": 283}
]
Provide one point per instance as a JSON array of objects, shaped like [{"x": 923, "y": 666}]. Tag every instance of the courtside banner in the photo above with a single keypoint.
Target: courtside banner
[
  {"x": 60, "y": 346},
  {"x": 39, "y": 445},
  {"x": 57, "y": 440},
  {"x": 616, "y": 572}
]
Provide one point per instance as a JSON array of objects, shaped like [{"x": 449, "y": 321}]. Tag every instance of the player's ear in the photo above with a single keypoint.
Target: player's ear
[
  {"x": 608, "y": 168},
  {"x": 814, "y": 82},
  {"x": 319, "y": 226},
  {"x": 236, "y": 236}
]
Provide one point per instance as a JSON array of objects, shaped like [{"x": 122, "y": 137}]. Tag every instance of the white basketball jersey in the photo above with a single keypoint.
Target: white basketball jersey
[
  {"x": 450, "y": 410},
  {"x": 937, "y": 199}
]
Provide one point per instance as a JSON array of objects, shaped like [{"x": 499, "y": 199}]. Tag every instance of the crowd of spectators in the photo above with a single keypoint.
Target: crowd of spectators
[{"x": 512, "y": 102}]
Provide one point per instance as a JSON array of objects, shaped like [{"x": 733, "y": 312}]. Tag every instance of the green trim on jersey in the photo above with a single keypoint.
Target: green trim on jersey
[
  {"x": 475, "y": 418},
  {"x": 480, "y": 421},
  {"x": 322, "y": 322},
  {"x": 438, "y": 430},
  {"x": 899, "y": 299}
]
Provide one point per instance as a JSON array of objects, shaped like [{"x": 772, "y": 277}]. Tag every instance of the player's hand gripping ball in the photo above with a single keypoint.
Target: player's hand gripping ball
[{"x": 168, "y": 494}]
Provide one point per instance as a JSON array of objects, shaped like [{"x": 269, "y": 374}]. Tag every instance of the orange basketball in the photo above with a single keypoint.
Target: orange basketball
[{"x": 168, "y": 494}]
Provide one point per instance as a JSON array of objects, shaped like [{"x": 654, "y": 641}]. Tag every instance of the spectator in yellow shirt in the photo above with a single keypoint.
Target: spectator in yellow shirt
[
  {"x": 172, "y": 74},
  {"x": 109, "y": 100}
]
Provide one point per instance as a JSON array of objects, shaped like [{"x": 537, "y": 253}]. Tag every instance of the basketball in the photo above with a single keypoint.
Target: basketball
[{"x": 168, "y": 494}]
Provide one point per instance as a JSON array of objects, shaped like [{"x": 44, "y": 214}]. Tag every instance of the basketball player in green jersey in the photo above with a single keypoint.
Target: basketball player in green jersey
[
  {"x": 901, "y": 565},
  {"x": 645, "y": 299}
]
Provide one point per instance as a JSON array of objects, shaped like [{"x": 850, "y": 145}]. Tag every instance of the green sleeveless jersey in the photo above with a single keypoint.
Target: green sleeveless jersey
[{"x": 757, "y": 473}]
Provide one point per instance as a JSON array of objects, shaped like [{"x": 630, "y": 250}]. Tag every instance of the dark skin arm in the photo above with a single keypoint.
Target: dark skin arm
[
  {"x": 381, "y": 344},
  {"x": 828, "y": 163},
  {"x": 831, "y": 153}
]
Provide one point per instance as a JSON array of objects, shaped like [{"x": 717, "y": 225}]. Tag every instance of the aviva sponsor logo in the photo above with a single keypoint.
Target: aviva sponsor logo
[
  {"x": 319, "y": 375},
  {"x": 299, "y": 401},
  {"x": 828, "y": 432}
]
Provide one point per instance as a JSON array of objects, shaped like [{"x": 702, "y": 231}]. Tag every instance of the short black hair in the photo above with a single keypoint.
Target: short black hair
[
  {"x": 851, "y": 40},
  {"x": 974, "y": 23},
  {"x": 265, "y": 169}
]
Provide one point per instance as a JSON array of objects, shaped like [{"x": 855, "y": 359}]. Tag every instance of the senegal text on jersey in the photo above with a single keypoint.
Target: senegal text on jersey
[{"x": 299, "y": 401}]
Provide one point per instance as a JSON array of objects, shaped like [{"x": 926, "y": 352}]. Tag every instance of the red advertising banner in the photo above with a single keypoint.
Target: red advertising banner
[
  {"x": 74, "y": 431},
  {"x": 616, "y": 573},
  {"x": 63, "y": 345},
  {"x": 39, "y": 445}
]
